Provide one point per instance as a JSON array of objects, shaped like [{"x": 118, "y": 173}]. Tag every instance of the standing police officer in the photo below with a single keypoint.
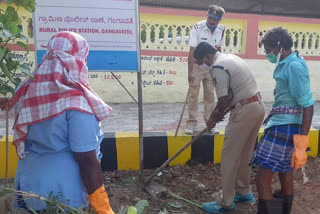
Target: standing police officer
[{"x": 204, "y": 31}]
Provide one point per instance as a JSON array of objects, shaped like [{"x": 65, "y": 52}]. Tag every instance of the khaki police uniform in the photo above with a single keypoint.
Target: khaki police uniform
[
  {"x": 233, "y": 77},
  {"x": 201, "y": 33}
]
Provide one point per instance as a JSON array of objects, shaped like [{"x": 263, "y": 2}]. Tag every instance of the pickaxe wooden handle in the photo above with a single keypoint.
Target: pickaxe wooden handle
[
  {"x": 180, "y": 151},
  {"x": 174, "y": 156},
  {"x": 182, "y": 112}
]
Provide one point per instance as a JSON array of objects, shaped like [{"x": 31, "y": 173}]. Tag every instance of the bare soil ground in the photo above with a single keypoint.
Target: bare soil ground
[{"x": 199, "y": 183}]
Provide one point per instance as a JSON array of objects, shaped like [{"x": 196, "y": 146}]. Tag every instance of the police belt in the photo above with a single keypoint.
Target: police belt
[{"x": 255, "y": 98}]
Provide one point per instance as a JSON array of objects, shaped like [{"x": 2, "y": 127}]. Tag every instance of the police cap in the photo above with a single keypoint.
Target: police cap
[{"x": 215, "y": 12}]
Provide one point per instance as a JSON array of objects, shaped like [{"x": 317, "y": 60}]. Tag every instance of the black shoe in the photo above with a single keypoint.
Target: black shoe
[
  {"x": 274, "y": 206},
  {"x": 287, "y": 201}
]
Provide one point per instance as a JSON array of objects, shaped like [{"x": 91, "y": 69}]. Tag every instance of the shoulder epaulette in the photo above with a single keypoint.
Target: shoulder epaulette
[
  {"x": 221, "y": 27},
  {"x": 200, "y": 24}
]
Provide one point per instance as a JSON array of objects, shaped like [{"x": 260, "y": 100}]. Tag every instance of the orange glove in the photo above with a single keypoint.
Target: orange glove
[
  {"x": 299, "y": 157},
  {"x": 99, "y": 201}
]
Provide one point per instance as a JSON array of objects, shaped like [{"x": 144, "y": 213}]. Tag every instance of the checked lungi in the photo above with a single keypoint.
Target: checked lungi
[{"x": 276, "y": 147}]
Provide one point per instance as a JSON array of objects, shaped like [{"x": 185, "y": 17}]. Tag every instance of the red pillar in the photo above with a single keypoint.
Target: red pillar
[{"x": 252, "y": 37}]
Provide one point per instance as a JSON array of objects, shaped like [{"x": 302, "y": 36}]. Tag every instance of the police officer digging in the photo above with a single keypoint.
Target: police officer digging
[{"x": 237, "y": 90}]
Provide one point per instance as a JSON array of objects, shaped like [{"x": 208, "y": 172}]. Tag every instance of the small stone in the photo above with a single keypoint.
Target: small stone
[
  {"x": 199, "y": 165},
  {"x": 122, "y": 197},
  {"x": 201, "y": 185},
  {"x": 215, "y": 195},
  {"x": 136, "y": 200},
  {"x": 173, "y": 184},
  {"x": 157, "y": 179},
  {"x": 177, "y": 168},
  {"x": 203, "y": 168},
  {"x": 187, "y": 168},
  {"x": 175, "y": 174},
  {"x": 168, "y": 176}
]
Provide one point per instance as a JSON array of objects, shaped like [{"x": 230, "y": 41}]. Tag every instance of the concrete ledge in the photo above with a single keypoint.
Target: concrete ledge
[{"x": 121, "y": 150}]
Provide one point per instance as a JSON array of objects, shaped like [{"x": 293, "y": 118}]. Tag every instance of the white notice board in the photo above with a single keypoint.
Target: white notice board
[{"x": 111, "y": 28}]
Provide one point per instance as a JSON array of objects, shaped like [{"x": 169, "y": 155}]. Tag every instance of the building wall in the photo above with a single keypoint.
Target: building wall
[{"x": 165, "y": 34}]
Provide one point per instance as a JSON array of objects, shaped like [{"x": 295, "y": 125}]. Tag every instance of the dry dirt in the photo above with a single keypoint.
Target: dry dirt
[{"x": 198, "y": 183}]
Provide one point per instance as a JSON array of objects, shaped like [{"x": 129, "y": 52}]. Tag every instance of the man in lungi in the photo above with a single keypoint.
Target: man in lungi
[
  {"x": 284, "y": 142},
  {"x": 236, "y": 89}
]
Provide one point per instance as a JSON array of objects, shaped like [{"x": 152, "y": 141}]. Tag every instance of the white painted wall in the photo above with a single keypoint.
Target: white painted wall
[{"x": 161, "y": 85}]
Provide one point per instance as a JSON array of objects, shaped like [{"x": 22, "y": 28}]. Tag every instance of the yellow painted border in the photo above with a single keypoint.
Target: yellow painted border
[
  {"x": 127, "y": 151},
  {"x": 313, "y": 142},
  {"x": 127, "y": 145},
  {"x": 13, "y": 159},
  {"x": 260, "y": 134},
  {"x": 218, "y": 145},
  {"x": 175, "y": 144}
]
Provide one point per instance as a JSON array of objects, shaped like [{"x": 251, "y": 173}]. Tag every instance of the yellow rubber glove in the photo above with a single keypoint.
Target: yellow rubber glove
[
  {"x": 299, "y": 157},
  {"x": 99, "y": 201}
]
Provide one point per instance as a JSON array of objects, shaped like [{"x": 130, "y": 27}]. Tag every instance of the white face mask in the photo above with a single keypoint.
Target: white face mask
[
  {"x": 278, "y": 57},
  {"x": 205, "y": 67}
]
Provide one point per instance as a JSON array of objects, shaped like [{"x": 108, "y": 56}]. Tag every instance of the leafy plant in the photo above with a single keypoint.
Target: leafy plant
[
  {"x": 53, "y": 202},
  {"x": 140, "y": 208},
  {"x": 10, "y": 33},
  {"x": 56, "y": 206}
]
